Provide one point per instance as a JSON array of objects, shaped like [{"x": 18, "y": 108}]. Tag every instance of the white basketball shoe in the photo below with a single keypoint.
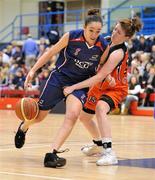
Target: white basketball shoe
[
  {"x": 107, "y": 158},
  {"x": 90, "y": 150}
]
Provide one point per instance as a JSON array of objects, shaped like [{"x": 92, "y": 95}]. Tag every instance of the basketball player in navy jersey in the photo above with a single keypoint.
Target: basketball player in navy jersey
[{"x": 80, "y": 54}]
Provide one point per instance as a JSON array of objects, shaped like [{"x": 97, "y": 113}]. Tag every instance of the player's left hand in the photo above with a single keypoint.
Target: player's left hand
[{"x": 112, "y": 82}]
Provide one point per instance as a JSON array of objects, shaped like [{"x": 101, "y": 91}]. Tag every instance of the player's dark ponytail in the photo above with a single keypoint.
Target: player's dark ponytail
[
  {"x": 94, "y": 12},
  {"x": 93, "y": 15}
]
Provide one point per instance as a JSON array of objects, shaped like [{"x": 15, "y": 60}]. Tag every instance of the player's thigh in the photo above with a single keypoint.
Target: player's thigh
[
  {"x": 50, "y": 96},
  {"x": 41, "y": 115},
  {"x": 73, "y": 107}
]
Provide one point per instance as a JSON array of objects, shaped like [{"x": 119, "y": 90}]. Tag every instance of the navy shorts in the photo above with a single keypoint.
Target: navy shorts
[{"x": 53, "y": 92}]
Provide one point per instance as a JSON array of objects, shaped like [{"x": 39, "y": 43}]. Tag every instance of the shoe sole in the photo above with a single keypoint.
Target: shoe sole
[
  {"x": 59, "y": 163},
  {"x": 108, "y": 164},
  {"x": 98, "y": 154}
]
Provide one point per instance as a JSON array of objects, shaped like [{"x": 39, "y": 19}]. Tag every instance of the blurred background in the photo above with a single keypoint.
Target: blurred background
[
  {"x": 43, "y": 22},
  {"x": 21, "y": 17}
]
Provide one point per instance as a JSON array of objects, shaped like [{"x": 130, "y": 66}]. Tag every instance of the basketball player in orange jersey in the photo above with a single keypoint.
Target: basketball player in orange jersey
[{"x": 102, "y": 97}]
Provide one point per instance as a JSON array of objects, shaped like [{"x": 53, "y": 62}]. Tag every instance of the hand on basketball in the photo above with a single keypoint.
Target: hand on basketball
[
  {"x": 28, "y": 80},
  {"x": 68, "y": 90}
]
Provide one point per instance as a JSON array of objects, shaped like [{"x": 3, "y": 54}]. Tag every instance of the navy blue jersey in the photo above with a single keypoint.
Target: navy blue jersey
[{"x": 78, "y": 60}]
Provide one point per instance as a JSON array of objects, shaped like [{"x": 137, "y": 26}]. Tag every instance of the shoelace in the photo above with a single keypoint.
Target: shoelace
[{"x": 60, "y": 151}]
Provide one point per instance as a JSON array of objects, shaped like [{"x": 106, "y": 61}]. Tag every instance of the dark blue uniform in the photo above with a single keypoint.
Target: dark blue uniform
[{"x": 77, "y": 62}]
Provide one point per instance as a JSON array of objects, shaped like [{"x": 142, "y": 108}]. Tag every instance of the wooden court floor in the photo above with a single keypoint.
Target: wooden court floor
[{"x": 133, "y": 137}]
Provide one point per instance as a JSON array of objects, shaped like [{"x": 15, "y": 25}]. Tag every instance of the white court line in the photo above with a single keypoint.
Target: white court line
[
  {"x": 33, "y": 175},
  {"x": 29, "y": 147},
  {"x": 10, "y": 148}
]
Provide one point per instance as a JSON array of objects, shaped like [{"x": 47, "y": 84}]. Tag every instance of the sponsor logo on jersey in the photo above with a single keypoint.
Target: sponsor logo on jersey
[
  {"x": 41, "y": 102},
  {"x": 77, "y": 51},
  {"x": 83, "y": 98},
  {"x": 94, "y": 58},
  {"x": 83, "y": 64}
]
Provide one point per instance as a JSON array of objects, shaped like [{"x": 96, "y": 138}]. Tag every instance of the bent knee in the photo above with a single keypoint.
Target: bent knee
[
  {"x": 102, "y": 107},
  {"x": 72, "y": 116},
  {"x": 84, "y": 119}
]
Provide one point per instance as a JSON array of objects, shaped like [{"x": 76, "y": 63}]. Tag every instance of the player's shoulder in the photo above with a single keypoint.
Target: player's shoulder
[
  {"x": 119, "y": 47},
  {"x": 103, "y": 40},
  {"x": 73, "y": 34}
]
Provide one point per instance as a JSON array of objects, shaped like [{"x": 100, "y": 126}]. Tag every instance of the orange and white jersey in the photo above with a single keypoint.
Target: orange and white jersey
[{"x": 116, "y": 93}]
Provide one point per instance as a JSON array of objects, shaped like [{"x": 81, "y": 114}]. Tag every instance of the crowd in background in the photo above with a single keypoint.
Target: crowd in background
[{"x": 15, "y": 62}]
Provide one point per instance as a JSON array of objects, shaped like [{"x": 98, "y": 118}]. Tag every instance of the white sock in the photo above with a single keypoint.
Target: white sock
[{"x": 107, "y": 140}]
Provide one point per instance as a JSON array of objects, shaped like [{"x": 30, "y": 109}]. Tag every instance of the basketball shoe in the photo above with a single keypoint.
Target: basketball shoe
[
  {"x": 90, "y": 150},
  {"x": 20, "y": 137},
  {"x": 53, "y": 160},
  {"x": 107, "y": 158}
]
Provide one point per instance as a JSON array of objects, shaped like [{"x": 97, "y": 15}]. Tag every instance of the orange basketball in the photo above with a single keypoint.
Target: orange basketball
[{"x": 26, "y": 109}]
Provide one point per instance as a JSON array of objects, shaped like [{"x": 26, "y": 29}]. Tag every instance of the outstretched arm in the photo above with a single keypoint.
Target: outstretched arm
[
  {"x": 62, "y": 43},
  {"x": 107, "y": 68}
]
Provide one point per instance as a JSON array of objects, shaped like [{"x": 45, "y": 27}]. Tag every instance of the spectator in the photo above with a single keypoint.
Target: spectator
[
  {"x": 142, "y": 45},
  {"x": 9, "y": 50},
  {"x": 41, "y": 50},
  {"x": 18, "y": 80},
  {"x": 17, "y": 56},
  {"x": 152, "y": 61},
  {"x": 150, "y": 87},
  {"x": 133, "y": 95},
  {"x": 30, "y": 50},
  {"x": 3, "y": 80},
  {"x": 43, "y": 78},
  {"x": 4, "y": 58},
  {"x": 14, "y": 68},
  {"x": 43, "y": 42},
  {"x": 53, "y": 35}
]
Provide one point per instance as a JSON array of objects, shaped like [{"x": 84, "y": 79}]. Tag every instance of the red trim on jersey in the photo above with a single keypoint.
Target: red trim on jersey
[
  {"x": 99, "y": 44},
  {"x": 78, "y": 39}
]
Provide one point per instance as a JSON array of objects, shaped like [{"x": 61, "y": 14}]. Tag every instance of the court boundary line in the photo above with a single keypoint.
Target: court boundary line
[
  {"x": 33, "y": 175},
  {"x": 40, "y": 145}
]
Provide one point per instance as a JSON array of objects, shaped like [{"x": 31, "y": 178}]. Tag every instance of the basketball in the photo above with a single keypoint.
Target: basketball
[{"x": 26, "y": 109}]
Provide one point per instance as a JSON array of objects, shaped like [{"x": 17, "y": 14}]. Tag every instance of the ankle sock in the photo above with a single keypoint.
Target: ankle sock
[
  {"x": 107, "y": 144},
  {"x": 98, "y": 143}
]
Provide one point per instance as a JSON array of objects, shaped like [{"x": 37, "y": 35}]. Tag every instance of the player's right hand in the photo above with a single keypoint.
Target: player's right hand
[
  {"x": 29, "y": 78},
  {"x": 68, "y": 90}
]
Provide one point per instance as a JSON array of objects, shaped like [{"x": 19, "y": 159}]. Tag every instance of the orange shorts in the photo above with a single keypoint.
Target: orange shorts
[{"x": 117, "y": 95}]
